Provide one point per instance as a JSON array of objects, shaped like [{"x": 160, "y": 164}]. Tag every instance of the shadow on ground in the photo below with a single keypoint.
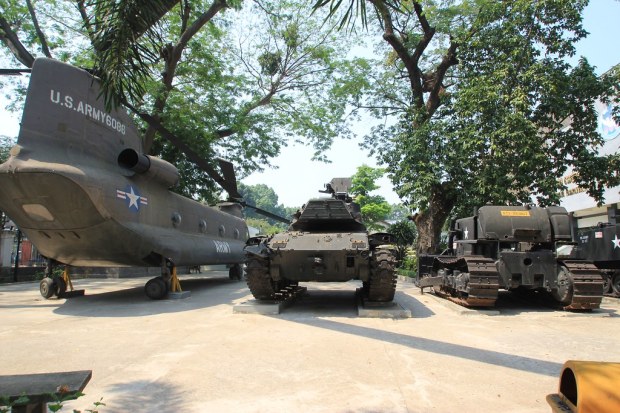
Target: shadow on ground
[
  {"x": 511, "y": 303},
  {"x": 143, "y": 395},
  {"x": 323, "y": 302},
  {"x": 132, "y": 302},
  {"x": 512, "y": 361}
]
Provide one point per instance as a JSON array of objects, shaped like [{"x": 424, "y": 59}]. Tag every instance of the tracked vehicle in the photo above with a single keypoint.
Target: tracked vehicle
[
  {"x": 601, "y": 245},
  {"x": 325, "y": 242},
  {"x": 512, "y": 248}
]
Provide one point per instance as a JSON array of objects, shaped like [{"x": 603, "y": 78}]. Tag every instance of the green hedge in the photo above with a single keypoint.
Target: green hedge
[{"x": 407, "y": 273}]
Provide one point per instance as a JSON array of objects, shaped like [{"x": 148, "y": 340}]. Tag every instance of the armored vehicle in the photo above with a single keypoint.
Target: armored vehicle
[
  {"x": 601, "y": 245},
  {"x": 513, "y": 248},
  {"x": 325, "y": 242}
]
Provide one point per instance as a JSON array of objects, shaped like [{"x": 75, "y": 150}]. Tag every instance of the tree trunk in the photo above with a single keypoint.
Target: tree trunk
[{"x": 430, "y": 222}]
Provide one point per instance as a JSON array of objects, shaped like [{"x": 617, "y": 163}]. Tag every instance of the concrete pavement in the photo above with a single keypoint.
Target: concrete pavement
[{"x": 196, "y": 355}]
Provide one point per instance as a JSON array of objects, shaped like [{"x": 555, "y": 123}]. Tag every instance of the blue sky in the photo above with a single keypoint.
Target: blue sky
[{"x": 297, "y": 178}]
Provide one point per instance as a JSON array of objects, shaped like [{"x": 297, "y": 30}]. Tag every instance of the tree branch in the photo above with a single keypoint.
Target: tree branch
[
  {"x": 410, "y": 61},
  {"x": 40, "y": 34},
  {"x": 10, "y": 39},
  {"x": 85, "y": 20},
  {"x": 172, "y": 56}
]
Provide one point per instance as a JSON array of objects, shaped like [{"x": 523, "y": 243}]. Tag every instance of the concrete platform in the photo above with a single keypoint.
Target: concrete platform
[
  {"x": 372, "y": 309},
  {"x": 385, "y": 310},
  {"x": 263, "y": 307}
]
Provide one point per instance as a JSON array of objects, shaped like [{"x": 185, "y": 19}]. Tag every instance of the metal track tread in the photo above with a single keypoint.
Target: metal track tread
[
  {"x": 587, "y": 285},
  {"x": 483, "y": 286}
]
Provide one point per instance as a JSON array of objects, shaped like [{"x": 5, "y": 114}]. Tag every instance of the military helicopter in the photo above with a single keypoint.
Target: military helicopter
[{"x": 80, "y": 188}]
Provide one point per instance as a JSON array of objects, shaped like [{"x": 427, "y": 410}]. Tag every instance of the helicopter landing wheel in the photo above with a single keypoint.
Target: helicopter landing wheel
[
  {"x": 47, "y": 287},
  {"x": 235, "y": 272},
  {"x": 156, "y": 288}
]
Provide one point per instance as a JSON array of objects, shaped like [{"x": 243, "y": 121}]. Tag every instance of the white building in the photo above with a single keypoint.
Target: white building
[{"x": 575, "y": 199}]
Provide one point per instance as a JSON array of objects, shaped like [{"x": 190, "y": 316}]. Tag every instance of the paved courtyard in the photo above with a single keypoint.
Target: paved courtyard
[{"x": 196, "y": 355}]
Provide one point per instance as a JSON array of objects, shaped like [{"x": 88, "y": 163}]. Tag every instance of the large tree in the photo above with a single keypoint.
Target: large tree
[
  {"x": 479, "y": 94},
  {"x": 232, "y": 79},
  {"x": 265, "y": 198}
]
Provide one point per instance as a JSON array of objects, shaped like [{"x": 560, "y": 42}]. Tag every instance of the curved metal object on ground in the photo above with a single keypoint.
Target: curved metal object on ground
[{"x": 587, "y": 387}]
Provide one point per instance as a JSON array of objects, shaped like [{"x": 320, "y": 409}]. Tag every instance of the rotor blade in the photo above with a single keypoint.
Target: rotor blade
[
  {"x": 13, "y": 72},
  {"x": 229, "y": 176},
  {"x": 231, "y": 189},
  {"x": 267, "y": 213}
]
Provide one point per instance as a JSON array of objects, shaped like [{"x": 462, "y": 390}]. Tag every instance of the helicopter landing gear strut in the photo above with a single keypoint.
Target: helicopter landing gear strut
[
  {"x": 57, "y": 284},
  {"x": 160, "y": 287}
]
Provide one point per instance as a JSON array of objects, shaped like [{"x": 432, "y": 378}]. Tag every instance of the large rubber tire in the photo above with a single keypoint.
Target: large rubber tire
[
  {"x": 235, "y": 272},
  {"x": 47, "y": 287},
  {"x": 382, "y": 283},
  {"x": 156, "y": 288},
  {"x": 564, "y": 293},
  {"x": 259, "y": 280}
]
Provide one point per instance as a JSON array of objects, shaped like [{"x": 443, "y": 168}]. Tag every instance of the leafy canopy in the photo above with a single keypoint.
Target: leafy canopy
[
  {"x": 233, "y": 79},
  {"x": 476, "y": 96}
]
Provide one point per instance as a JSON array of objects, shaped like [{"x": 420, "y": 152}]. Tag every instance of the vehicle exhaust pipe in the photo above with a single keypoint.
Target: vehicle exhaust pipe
[{"x": 152, "y": 167}]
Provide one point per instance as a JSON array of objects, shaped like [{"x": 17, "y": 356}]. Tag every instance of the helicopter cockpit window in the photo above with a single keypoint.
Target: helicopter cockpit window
[{"x": 38, "y": 212}]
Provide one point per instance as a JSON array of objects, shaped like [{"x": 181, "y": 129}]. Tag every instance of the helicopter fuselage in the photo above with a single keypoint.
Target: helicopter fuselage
[{"x": 67, "y": 185}]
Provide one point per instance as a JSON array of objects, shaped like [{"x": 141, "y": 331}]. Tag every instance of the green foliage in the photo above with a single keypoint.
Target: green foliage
[
  {"x": 265, "y": 227},
  {"x": 479, "y": 102},
  {"x": 374, "y": 208},
  {"x": 409, "y": 265},
  {"x": 233, "y": 79},
  {"x": 96, "y": 405},
  {"x": 364, "y": 180},
  {"x": 6, "y": 405},
  {"x": 270, "y": 63},
  {"x": 6, "y": 144},
  {"x": 263, "y": 197},
  {"x": 398, "y": 212},
  {"x": 56, "y": 404},
  {"x": 405, "y": 233},
  {"x": 245, "y": 90},
  {"x": 127, "y": 40},
  {"x": 64, "y": 35}
]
